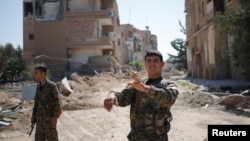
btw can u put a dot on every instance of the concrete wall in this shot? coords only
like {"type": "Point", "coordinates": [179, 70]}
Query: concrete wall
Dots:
{"type": "Point", "coordinates": [82, 5]}
{"type": "Point", "coordinates": [81, 55]}
{"type": "Point", "coordinates": [47, 42]}
{"type": "Point", "coordinates": [78, 29]}
{"type": "Point", "coordinates": [205, 45]}
{"type": "Point", "coordinates": [28, 44]}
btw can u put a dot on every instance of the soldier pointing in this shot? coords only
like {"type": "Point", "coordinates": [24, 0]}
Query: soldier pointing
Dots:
{"type": "Point", "coordinates": [149, 101]}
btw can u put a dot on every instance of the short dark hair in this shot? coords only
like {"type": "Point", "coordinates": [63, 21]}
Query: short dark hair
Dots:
{"type": "Point", "coordinates": [153, 52]}
{"type": "Point", "coordinates": [41, 68]}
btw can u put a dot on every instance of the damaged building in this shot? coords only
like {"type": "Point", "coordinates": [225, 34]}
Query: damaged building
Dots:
{"type": "Point", "coordinates": [76, 36]}
{"type": "Point", "coordinates": [205, 42]}
{"type": "Point", "coordinates": [133, 42]}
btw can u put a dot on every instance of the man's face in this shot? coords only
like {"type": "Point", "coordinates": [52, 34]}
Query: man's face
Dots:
{"type": "Point", "coordinates": [39, 75]}
{"type": "Point", "coordinates": [153, 66]}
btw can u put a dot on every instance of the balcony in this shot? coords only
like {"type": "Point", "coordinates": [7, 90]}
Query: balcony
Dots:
{"type": "Point", "coordinates": [107, 3]}
{"type": "Point", "coordinates": [105, 16]}
{"type": "Point", "coordinates": [102, 42]}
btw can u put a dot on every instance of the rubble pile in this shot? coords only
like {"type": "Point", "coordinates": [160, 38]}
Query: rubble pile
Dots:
{"type": "Point", "coordinates": [235, 100]}
{"type": "Point", "coordinates": [15, 113]}
{"type": "Point", "coordinates": [84, 89]}
{"type": "Point", "coordinates": [199, 99]}
{"type": "Point", "coordinates": [84, 92]}
{"type": "Point", "coordinates": [231, 100]}
{"type": "Point", "coordinates": [12, 113]}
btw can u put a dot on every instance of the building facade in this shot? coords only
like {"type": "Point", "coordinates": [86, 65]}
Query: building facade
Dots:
{"type": "Point", "coordinates": [206, 44]}
{"type": "Point", "coordinates": [134, 42]}
{"type": "Point", "coordinates": [79, 36]}
{"type": "Point", "coordinates": [70, 35]}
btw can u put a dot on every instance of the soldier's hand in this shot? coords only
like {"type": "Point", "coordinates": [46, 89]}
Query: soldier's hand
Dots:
{"type": "Point", "coordinates": [134, 75]}
{"type": "Point", "coordinates": [110, 101]}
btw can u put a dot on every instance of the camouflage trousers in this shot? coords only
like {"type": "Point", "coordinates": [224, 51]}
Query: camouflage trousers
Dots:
{"type": "Point", "coordinates": [45, 131]}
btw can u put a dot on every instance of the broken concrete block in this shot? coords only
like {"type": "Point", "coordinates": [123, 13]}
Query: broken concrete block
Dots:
{"type": "Point", "coordinates": [2, 123]}
{"type": "Point", "coordinates": [232, 100]}
{"type": "Point", "coordinates": [65, 87]}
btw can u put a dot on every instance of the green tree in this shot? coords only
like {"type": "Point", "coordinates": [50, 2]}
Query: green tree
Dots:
{"type": "Point", "coordinates": [3, 58]}
{"type": "Point", "coordinates": [236, 23]}
{"type": "Point", "coordinates": [11, 62]}
{"type": "Point", "coordinates": [137, 64]}
{"type": "Point", "coordinates": [179, 60]}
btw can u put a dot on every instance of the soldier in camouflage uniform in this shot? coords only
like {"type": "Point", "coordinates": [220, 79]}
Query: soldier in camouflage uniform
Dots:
{"type": "Point", "coordinates": [149, 101]}
{"type": "Point", "coordinates": [46, 108]}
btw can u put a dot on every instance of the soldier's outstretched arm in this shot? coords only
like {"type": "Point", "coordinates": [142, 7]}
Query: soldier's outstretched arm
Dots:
{"type": "Point", "coordinates": [110, 101]}
{"type": "Point", "coordinates": [163, 94]}
{"type": "Point", "coordinates": [122, 99]}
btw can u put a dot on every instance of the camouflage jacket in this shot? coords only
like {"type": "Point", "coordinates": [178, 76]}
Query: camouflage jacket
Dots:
{"type": "Point", "coordinates": [47, 104]}
{"type": "Point", "coordinates": [149, 112]}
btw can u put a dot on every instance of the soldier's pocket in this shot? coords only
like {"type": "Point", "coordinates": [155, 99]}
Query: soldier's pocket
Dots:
{"type": "Point", "coordinates": [162, 125]}
{"type": "Point", "coordinates": [149, 119]}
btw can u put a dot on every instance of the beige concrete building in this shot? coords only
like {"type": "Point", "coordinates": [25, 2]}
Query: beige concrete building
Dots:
{"type": "Point", "coordinates": [81, 36]}
{"type": "Point", "coordinates": [70, 35]}
{"type": "Point", "coordinates": [134, 42]}
{"type": "Point", "coordinates": [205, 43]}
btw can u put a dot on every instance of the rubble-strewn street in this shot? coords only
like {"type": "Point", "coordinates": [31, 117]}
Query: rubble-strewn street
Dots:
{"type": "Point", "coordinates": [84, 117]}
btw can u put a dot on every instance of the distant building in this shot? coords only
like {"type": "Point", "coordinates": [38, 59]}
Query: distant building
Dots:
{"type": "Point", "coordinates": [79, 36]}
{"type": "Point", "coordinates": [205, 43]}
{"type": "Point", "coordinates": [135, 42]}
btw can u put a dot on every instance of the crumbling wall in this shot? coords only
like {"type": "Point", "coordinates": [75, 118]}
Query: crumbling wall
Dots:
{"type": "Point", "coordinates": [51, 10]}
{"type": "Point", "coordinates": [83, 5]}
{"type": "Point", "coordinates": [48, 9]}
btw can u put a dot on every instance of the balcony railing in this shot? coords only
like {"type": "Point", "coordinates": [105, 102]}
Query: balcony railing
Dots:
{"type": "Point", "coordinates": [104, 42]}
{"type": "Point", "coordinates": [90, 14]}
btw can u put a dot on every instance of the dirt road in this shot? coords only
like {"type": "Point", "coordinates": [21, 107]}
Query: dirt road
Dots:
{"type": "Point", "coordinates": [96, 124]}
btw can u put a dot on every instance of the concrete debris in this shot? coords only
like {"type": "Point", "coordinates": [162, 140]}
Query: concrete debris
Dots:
{"type": "Point", "coordinates": [3, 98]}
{"type": "Point", "coordinates": [8, 110]}
{"type": "Point", "coordinates": [83, 93]}
{"type": "Point", "coordinates": [75, 77]}
{"type": "Point", "coordinates": [245, 93]}
{"type": "Point", "coordinates": [96, 72]}
{"type": "Point", "coordinates": [204, 107]}
{"type": "Point", "coordinates": [65, 87]}
{"type": "Point", "coordinates": [2, 123]}
{"type": "Point", "coordinates": [232, 101]}
{"type": "Point", "coordinates": [246, 102]}
{"type": "Point", "coordinates": [201, 99]}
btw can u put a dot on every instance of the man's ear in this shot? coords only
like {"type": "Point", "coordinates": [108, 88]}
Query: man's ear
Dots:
{"type": "Point", "coordinates": [163, 64]}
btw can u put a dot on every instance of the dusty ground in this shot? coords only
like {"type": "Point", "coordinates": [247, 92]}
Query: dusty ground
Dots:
{"type": "Point", "coordinates": [84, 117]}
